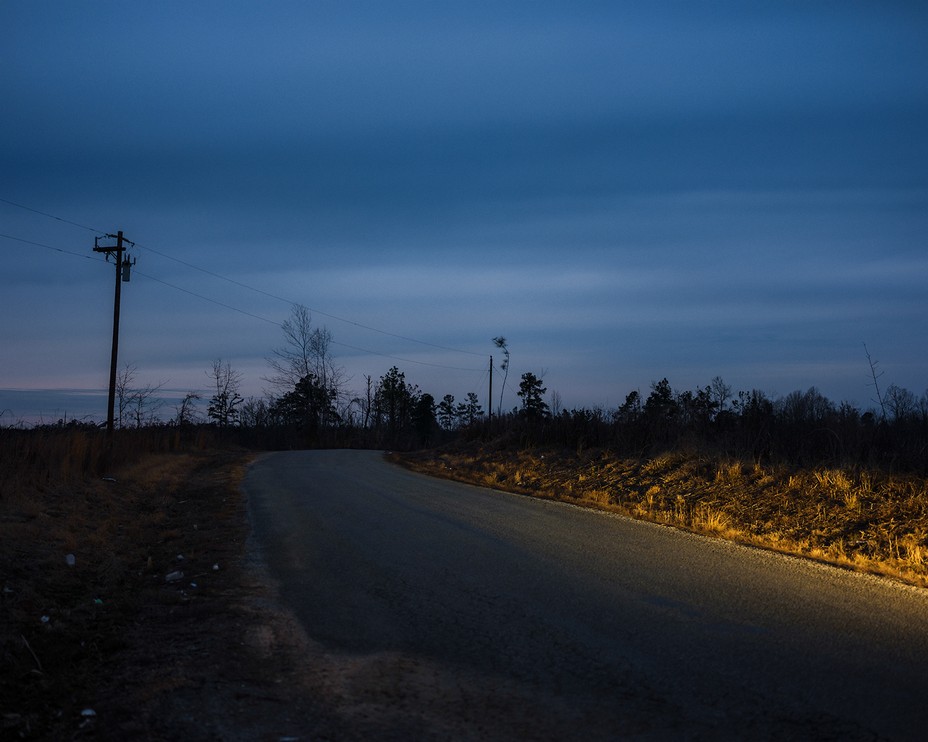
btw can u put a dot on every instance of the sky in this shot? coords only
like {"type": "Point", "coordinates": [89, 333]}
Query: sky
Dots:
{"type": "Point", "coordinates": [626, 191]}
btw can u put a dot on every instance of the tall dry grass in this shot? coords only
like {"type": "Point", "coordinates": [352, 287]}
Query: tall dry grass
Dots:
{"type": "Point", "coordinates": [35, 457]}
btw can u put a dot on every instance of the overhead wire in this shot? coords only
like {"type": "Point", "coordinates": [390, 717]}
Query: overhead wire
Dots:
{"type": "Point", "coordinates": [234, 308]}
{"type": "Point", "coordinates": [249, 288]}
{"type": "Point", "coordinates": [50, 216]}
{"type": "Point", "coordinates": [231, 307]}
{"type": "Point", "coordinates": [51, 247]}
{"type": "Point", "coordinates": [314, 311]}
{"type": "Point", "coordinates": [277, 324]}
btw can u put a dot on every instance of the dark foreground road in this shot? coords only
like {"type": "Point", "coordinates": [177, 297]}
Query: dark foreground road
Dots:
{"type": "Point", "coordinates": [457, 612]}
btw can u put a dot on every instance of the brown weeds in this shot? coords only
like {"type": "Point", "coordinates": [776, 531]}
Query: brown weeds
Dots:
{"type": "Point", "coordinates": [869, 521]}
{"type": "Point", "coordinates": [79, 551]}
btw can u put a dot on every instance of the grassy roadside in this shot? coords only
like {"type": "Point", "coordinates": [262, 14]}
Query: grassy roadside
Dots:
{"type": "Point", "coordinates": [92, 569]}
{"type": "Point", "coordinates": [867, 521]}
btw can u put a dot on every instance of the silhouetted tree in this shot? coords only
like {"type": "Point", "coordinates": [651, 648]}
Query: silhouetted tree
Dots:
{"type": "Point", "coordinates": [630, 410]}
{"type": "Point", "coordinates": [468, 411]}
{"type": "Point", "coordinates": [500, 342]}
{"type": "Point", "coordinates": [124, 381]}
{"type": "Point", "coordinates": [661, 412]}
{"type": "Point", "coordinates": [756, 422]}
{"type": "Point", "coordinates": [306, 352]}
{"type": "Point", "coordinates": [532, 393]}
{"type": "Point", "coordinates": [423, 418]}
{"type": "Point", "coordinates": [255, 412]}
{"type": "Point", "coordinates": [138, 405]}
{"type": "Point", "coordinates": [875, 375]}
{"type": "Point", "coordinates": [309, 406]}
{"type": "Point", "coordinates": [187, 410]}
{"type": "Point", "coordinates": [447, 412]}
{"type": "Point", "coordinates": [394, 401]}
{"type": "Point", "coordinates": [660, 402]}
{"type": "Point", "coordinates": [223, 406]}
{"type": "Point", "coordinates": [697, 409]}
{"type": "Point", "coordinates": [804, 408]}
{"type": "Point", "coordinates": [721, 393]}
{"type": "Point", "coordinates": [900, 402]}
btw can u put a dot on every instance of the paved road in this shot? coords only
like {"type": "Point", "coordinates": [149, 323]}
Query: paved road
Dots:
{"type": "Point", "coordinates": [507, 617]}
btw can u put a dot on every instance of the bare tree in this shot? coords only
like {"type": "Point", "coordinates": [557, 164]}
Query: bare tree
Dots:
{"type": "Point", "coordinates": [255, 413]}
{"type": "Point", "coordinates": [367, 402]}
{"type": "Point", "coordinates": [306, 352]}
{"type": "Point", "coordinates": [124, 381]}
{"type": "Point", "coordinates": [876, 376]}
{"type": "Point", "coordinates": [923, 407]}
{"type": "Point", "coordinates": [902, 403]}
{"type": "Point", "coordinates": [138, 405]}
{"type": "Point", "coordinates": [294, 359]}
{"type": "Point", "coordinates": [146, 403]}
{"type": "Point", "coordinates": [721, 393]}
{"type": "Point", "coordinates": [500, 343]}
{"type": "Point", "coordinates": [186, 411]}
{"type": "Point", "coordinates": [223, 406]}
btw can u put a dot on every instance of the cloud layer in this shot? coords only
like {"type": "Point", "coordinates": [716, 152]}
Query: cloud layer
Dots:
{"type": "Point", "coordinates": [626, 192]}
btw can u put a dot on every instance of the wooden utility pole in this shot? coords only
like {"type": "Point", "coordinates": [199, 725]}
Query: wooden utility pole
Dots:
{"type": "Point", "coordinates": [490, 405]}
{"type": "Point", "coordinates": [122, 274]}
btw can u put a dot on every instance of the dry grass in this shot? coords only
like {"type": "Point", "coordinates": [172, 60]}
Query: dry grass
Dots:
{"type": "Point", "coordinates": [81, 557]}
{"type": "Point", "coordinates": [869, 521]}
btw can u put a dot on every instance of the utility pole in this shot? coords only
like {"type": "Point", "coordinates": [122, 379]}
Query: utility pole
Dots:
{"type": "Point", "coordinates": [490, 405]}
{"type": "Point", "coordinates": [123, 266]}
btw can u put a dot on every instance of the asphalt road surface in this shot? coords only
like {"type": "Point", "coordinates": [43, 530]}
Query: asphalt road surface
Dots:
{"type": "Point", "coordinates": [469, 613]}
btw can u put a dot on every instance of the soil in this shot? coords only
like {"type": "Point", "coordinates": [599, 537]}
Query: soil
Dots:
{"type": "Point", "coordinates": [138, 609]}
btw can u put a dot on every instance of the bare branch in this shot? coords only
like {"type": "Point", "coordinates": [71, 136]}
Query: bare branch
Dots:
{"type": "Point", "coordinates": [876, 376]}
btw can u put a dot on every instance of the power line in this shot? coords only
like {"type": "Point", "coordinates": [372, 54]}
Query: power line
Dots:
{"type": "Point", "coordinates": [236, 309]}
{"type": "Point", "coordinates": [50, 216]}
{"type": "Point", "coordinates": [233, 308]}
{"type": "Point", "coordinates": [277, 324]}
{"type": "Point", "coordinates": [256, 290]}
{"type": "Point", "coordinates": [315, 311]}
{"type": "Point", "coordinates": [50, 247]}
{"type": "Point", "coordinates": [406, 360]}
{"type": "Point", "coordinates": [206, 298]}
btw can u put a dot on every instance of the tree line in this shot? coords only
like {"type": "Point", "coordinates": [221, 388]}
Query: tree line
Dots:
{"type": "Point", "coordinates": [308, 405]}
{"type": "Point", "coordinates": [801, 429]}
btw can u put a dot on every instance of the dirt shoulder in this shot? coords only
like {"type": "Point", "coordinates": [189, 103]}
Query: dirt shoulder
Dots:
{"type": "Point", "coordinates": [133, 609]}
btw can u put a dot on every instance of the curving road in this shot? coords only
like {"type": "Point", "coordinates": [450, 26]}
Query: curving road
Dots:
{"type": "Point", "coordinates": [472, 613]}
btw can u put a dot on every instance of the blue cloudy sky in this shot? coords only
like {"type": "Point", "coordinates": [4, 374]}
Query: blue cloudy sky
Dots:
{"type": "Point", "coordinates": [625, 190]}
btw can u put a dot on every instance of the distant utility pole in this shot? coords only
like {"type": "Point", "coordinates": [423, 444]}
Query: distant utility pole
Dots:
{"type": "Point", "coordinates": [490, 405]}
{"type": "Point", "coordinates": [123, 267]}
